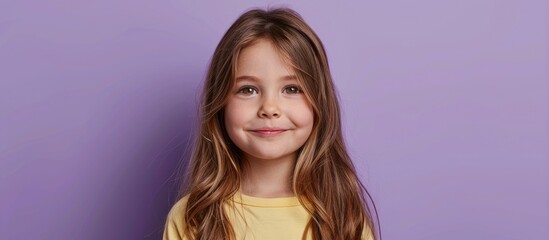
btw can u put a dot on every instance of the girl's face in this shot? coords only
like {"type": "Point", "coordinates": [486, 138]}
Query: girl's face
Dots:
{"type": "Point", "coordinates": [267, 115]}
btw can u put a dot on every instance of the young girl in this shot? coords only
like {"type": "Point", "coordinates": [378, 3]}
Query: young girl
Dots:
{"type": "Point", "coordinates": [269, 161]}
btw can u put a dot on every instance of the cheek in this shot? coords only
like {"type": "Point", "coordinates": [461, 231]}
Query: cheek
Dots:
{"type": "Point", "coordinates": [304, 115]}
{"type": "Point", "coordinates": [234, 115]}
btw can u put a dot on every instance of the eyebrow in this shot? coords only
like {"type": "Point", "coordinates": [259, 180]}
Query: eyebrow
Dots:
{"type": "Point", "coordinates": [255, 79]}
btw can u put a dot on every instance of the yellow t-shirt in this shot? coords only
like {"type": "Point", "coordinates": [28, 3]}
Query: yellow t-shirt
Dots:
{"type": "Point", "coordinates": [253, 218]}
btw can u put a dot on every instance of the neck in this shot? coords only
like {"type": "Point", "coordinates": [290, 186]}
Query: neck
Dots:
{"type": "Point", "coordinates": [268, 178]}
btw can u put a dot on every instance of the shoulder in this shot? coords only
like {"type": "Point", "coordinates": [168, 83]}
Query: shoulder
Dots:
{"type": "Point", "coordinates": [367, 233]}
{"type": "Point", "coordinates": [178, 209]}
{"type": "Point", "coordinates": [175, 221]}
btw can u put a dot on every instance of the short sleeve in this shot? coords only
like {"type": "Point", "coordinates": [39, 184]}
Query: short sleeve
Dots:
{"type": "Point", "coordinates": [175, 223]}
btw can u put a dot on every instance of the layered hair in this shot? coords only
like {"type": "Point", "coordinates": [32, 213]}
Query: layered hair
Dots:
{"type": "Point", "coordinates": [324, 178]}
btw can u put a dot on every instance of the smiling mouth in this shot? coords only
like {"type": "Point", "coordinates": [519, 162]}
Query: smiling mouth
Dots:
{"type": "Point", "coordinates": [268, 132]}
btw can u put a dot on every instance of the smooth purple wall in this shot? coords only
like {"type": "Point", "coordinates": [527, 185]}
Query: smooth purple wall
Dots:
{"type": "Point", "coordinates": [445, 108]}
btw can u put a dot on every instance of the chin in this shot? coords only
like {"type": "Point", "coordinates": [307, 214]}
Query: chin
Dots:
{"type": "Point", "coordinates": [269, 155]}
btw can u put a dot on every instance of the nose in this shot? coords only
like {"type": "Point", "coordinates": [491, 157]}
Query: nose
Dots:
{"type": "Point", "coordinates": [269, 108]}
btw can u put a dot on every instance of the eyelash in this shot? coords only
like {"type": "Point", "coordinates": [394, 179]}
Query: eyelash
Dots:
{"type": "Point", "coordinates": [245, 89]}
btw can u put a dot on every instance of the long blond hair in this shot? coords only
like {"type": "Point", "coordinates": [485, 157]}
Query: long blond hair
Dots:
{"type": "Point", "coordinates": [324, 178]}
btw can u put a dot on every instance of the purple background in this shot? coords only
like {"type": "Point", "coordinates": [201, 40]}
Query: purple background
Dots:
{"type": "Point", "coordinates": [445, 107]}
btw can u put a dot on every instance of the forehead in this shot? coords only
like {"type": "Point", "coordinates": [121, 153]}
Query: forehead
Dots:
{"type": "Point", "coordinates": [262, 58]}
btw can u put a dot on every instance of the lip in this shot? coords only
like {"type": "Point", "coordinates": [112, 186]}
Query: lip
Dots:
{"type": "Point", "coordinates": [267, 132]}
{"type": "Point", "coordinates": [266, 129]}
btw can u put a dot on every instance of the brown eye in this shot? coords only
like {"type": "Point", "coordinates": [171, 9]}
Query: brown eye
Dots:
{"type": "Point", "coordinates": [292, 90]}
{"type": "Point", "coordinates": [247, 90]}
